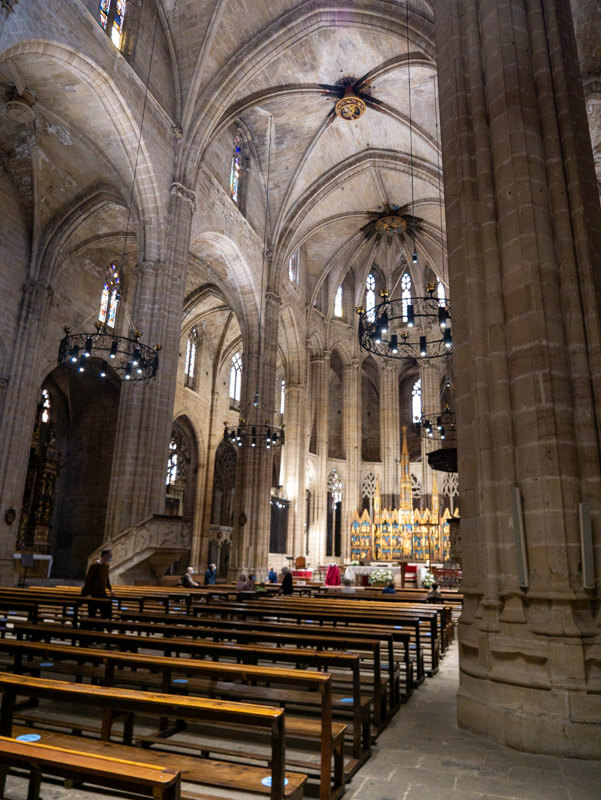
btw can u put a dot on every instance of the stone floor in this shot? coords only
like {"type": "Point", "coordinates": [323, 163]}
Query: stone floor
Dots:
{"type": "Point", "coordinates": [422, 755]}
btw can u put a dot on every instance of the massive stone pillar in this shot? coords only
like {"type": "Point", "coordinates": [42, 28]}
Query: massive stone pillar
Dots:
{"type": "Point", "coordinates": [351, 499]}
{"type": "Point", "coordinates": [390, 435]}
{"type": "Point", "coordinates": [293, 465]}
{"type": "Point", "coordinates": [320, 372]}
{"type": "Point", "coordinates": [525, 275]}
{"type": "Point", "coordinates": [18, 414]}
{"type": "Point", "coordinates": [137, 486]}
{"type": "Point", "coordinates": [252, 512]}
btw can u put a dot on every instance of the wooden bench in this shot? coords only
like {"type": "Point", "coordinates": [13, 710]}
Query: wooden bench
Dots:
{"type": "Point", "coordinates": [357, 707]}
{"type": "Point", "coordinates": [39, 759]}
{"type": "Point", "coordinates": [297, 637]}
{"type": "Point", "coordinates": [115, 702]}
{"type": "Point", "coordinates": [233, 681]}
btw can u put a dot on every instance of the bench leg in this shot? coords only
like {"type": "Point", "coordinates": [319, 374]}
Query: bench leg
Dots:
{"type": "Point", "coordinates": [35, 780]}
{"type": "Point", "coordinates": [4, 770]}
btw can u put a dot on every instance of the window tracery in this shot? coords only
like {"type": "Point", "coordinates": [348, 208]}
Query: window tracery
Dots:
{"type": "Point", "coordinates": [405, 293]}
{"type": "Point", "coordinates": [191, 353]}
{"type": "Point", "coordinates": [111, 17]}
{"type": "Point", "coordinates": [338, 303]}
{"type": "Point", "coordinates": [416, 401]}
{"type": "Point", "coordinates": [110, 296]}
{"type": "Point", "coordinates": [370, 296]}
{"type": "Point", "coordinates": [235, 379]}
{"type": "Point", "coordinates": [236, 170]}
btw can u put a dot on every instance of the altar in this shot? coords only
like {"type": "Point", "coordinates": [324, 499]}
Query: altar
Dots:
{"type": "Point", "coordinates": [352, 572]}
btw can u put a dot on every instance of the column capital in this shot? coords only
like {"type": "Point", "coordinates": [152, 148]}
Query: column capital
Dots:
{"type": "Point", "coordinates": [189, 195]}
{"type": "Point", "coordinates": [272, 297]}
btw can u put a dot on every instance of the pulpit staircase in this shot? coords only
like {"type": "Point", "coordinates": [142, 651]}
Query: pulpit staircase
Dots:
{"type": "Point", "coordinates": [145, 550]}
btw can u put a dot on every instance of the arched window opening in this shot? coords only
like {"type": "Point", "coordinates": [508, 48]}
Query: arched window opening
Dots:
{"type": "Point", "coordinates": [370, 297]}
{"type": "Point", "coordinates": [110, 296]}
{"type": "Point", "coordinates": [191, 351]}
{"type": "Point", "coordinates": [334, 515]}
{"type": "Point", "coordinates": [236, 170]}
{"type": "Point", "coordinates": [235, 380]}
{"type": "Point", "coordinates": [282, 396]}
{"type": "Point", "coordinates": [112, 15]}
{"type": "Point", "coordinates": [416, 400]}
{"type": "Point", "coordinates": [338, 303]}
{"type": "Point", "coordinates": [442, 298]}
{"type": "Point", "coordinates": [293, 267]}
{"type": "Point", "coordinates": [178, 464]}
{"type": "Point", "coordinates": [405, 294]}
{"type": "Point", "coordinates": [46, 406]}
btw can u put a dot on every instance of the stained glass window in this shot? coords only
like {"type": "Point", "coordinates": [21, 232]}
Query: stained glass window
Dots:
{"type": "Point", "coordinates": [370, 297]}
{"type": "Point", "coordinates": [338, 303]}
{"type": "Point", "coordinates": [293, 264]}
{"type": "Point", "coordinates": [236, 170]}
{"type": "Point", "coordinates": [235, 377]}
{"type": "Point", "coordinates": [416, 400]}
{"type": "Point", "coordinates": [112, 14]}
{"type": "Point", "coordinates": [282, 396]}
{"type": "Point", "coordinates": [405, 293]}
{"type": "Point", "coordinates": [46, 406]}
{"type": "Point", "coordinates": [110, 296]}
{"type": "Point", "coordinates": [191, 348]}
{"type": "Point", "coordinates": [442, 298]}
{"type": "Point", "coordinates": [172, 469]}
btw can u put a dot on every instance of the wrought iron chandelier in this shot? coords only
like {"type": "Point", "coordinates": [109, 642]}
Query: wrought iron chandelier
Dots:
{"type": "Point", "coordinates": [101, 353]}
{"type": "Point", "coordinates": [439, 427]}
{"type": "Point", "coordinates": [250, 435]}
{"type": "Point", "coordinates": [416, 330]}
{"type": "Point", "coordinates": [105, 353]}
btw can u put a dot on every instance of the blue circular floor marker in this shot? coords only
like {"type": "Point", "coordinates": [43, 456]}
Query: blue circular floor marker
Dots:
{"type": "Point", "coordinates": [267, 781]}
{"type": "Point", "coordinates": [46, 663]}
{"type": "Point", "coordinates": [29, 737]}
{"type": "Point", "coordinates": [180, 680]}
{"type": "Point", "coordinates": [346, 700]}
{"type": "Point", "coordinates": [124, 608]}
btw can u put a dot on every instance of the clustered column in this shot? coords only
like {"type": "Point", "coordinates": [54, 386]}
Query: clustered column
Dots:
{"type": "Point", "coordinates": [524, 245]}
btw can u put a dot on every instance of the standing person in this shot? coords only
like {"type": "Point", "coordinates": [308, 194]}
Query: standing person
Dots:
{"type": "Point", "coordinates": [272, 576]}
{"type": "Point", "coordinates": [333, 576]}
{"type": "Point", "coordinates": [188, 579]}
{"type": "Point", "coordinates": [211, 575]}
{"type": "Point", "coordinates": [97, 584]}
{"type": "Point", "coordinates": [287, 587]}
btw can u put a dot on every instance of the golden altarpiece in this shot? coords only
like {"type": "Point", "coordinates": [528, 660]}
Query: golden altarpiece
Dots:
{"type": "Point", "coordinates": [404, 533]}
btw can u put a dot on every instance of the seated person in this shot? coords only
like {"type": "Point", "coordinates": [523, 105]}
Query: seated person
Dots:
{"type": "Point", "coordinates": [188, 581]}
{"type": "Point", "coordinates": [287, 586]}
{"type": "Point", "coordinates": [272, 576]}
{"type": "Point", "coordinates": [347, 586]}
{"type": "Point", "coordinates": [434, 596]}
{"type": "Point", "coordinates": [242, 584]}
{"type": "Point", "coordinates": [211, 575]}
{"type": "Point", "coordinates": [389, 588]}
{"type": "Point", "coordinates": [251, 582]}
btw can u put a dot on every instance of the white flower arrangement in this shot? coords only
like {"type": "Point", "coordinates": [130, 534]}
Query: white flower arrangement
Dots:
{"type": "Point", "coordinates": [354, 563]}
{"type": "Point", "coordinates": [379, 576]}
{"type": "Point", "coordinates": [428, 580]}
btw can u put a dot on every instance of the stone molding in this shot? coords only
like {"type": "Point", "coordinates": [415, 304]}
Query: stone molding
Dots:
{"type": "Point", "coordinates": [189, 195]}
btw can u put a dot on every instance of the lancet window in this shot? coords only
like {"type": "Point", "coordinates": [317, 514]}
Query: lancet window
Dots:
{"type": "Point", "coordinates": [112, 15]}
{"type": "Point", "coordinates": [405, 293]}
{"type": "Point", "coordinates": [110, 296]}
{"type": "Point", "coordinates": [370, 296]}
{"type": "Point", "coordinates": [235, 379]}
{"type": "Point", "coordinates": [191, 352]}
{"type": "Point", "coordinates": [338, 303]}
{"type": "Point", "coordinates": [416, 400]}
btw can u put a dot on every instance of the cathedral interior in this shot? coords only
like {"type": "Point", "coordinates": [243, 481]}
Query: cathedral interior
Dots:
{"type": "Point", "coordinates": [203, 204]}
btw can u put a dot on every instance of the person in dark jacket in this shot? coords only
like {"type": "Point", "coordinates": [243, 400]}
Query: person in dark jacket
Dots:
{"type": "Point", "coordinates": [287, 587]}
{"type": "Point", "coordinates": [97, 584]}
{"type": "Point", "coordinates": [188, 579]}
{"type": "Point", "coordinates": [211, 575]}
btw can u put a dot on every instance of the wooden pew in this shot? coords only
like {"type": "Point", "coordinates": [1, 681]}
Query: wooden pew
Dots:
{"type": "Point", "coordinates": [324, 615]}
{"type": "Point", "coordinates": [157, 782]}
{"type": "Point", "coordinates": [358, 710]}
{"type": "Point", "coordinates": [298, 637]}
{"type": "Point", "coordinates": [131, 702]}
{"type": "Point", "coordinates": [233, 681]}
